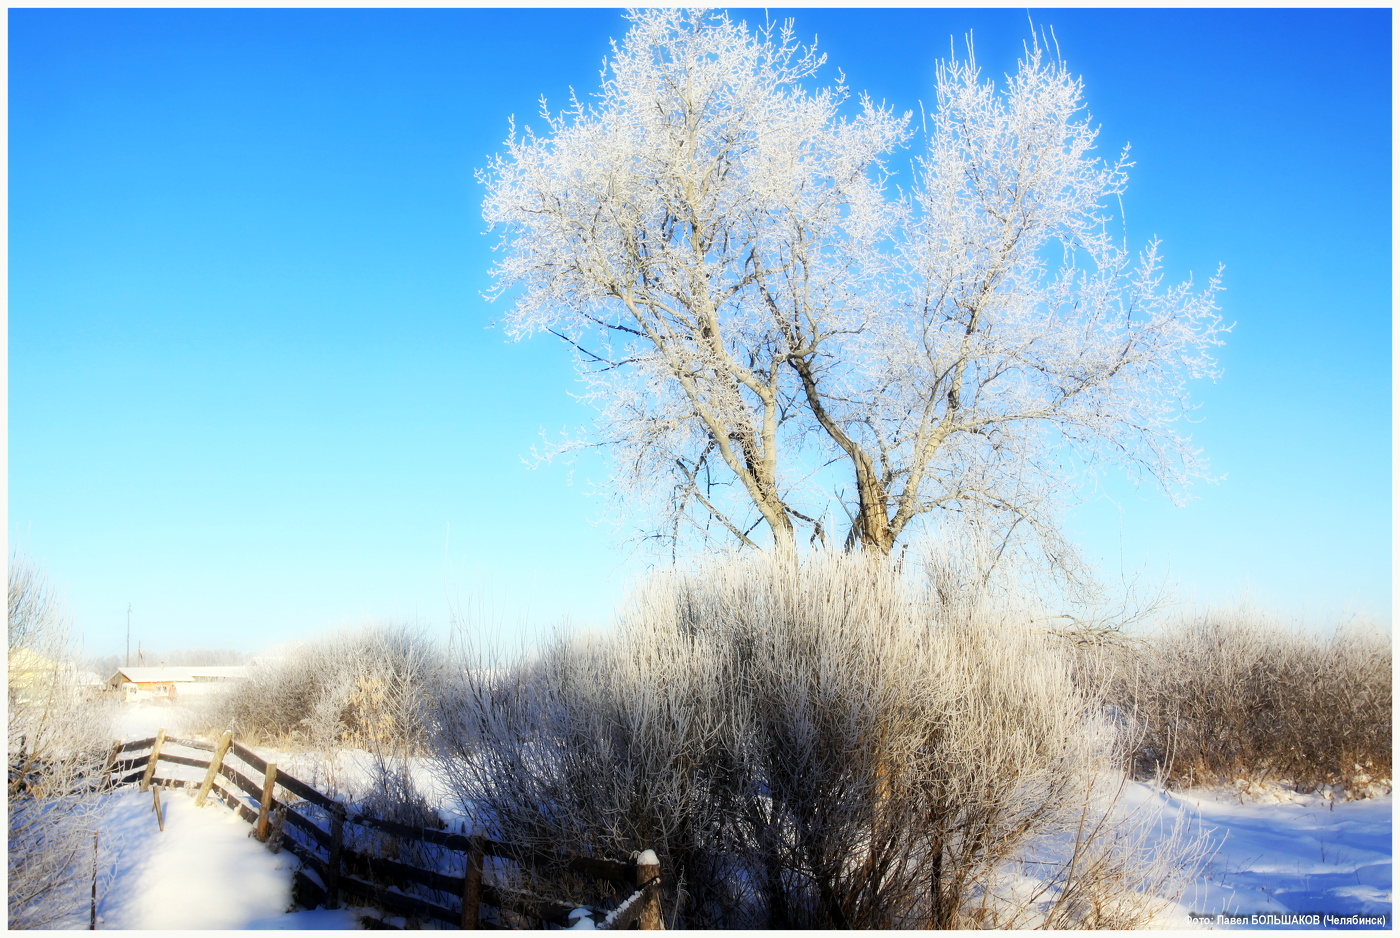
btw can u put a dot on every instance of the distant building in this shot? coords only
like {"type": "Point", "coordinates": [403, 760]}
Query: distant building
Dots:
{"type": "Point", "coordinates": [170, 683]}
{"type": "Point", "coordinates": [31, 674]}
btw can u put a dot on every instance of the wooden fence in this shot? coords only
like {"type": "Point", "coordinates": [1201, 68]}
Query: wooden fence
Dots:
{"type": "Point", "coordinates": [289, 814]}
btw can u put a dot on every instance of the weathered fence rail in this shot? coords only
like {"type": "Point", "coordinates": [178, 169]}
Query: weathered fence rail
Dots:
{"type": "Point", "coordinates": [311, 826]}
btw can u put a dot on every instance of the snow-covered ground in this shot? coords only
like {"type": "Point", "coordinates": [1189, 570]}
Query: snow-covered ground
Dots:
{"type": "Point", "coordinates": [202, 871]}
{"type": "Point", "coordinates": [1278, 853]}
{"type": "Point", "coordinates": [1290, 854]}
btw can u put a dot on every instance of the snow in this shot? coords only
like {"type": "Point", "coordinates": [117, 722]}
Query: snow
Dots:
{"type": "Point", "coordinates": [203, 871]}
{"type": "Point", "coordinates": [141, 720]}
{"type": "Point", "coordinates": [319, 920]}
{"type": "Point", "coordinates": [581, 920]}
{"type": "Point", "coordinates": [1275, 851]}
{"type": "Point", "coordinates": [1285, 853]}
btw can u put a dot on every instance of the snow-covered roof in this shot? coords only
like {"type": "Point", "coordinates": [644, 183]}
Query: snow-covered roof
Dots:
{"type": "Point", "coordinates": [153, 675]}
{"type": "Point", "coordinates": [220, 672]}
{"type": "Point", "coordinates": [185, 675]}
{"type": "Point", "coordinates": [86, 678]}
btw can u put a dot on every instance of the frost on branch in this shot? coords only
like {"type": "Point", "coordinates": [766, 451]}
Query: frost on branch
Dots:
{"type": "Point", "coordinates": [774, 340]}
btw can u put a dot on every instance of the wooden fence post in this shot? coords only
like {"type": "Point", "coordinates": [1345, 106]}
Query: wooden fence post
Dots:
{"type": "Point", "coordinates": [110, 764]}
{"type": "Point", "coordinates": [333, 864]}
{"type": "Point", "coordinates": [151, 766]}
{"type": "Point", "coordinates": [92, 920]}
{"type": "Point", "coordinates": [215, 763]}
{"type": "Point", "coordinates": [471, 890]}
{"type": "Point", "coordinates": [265, 805]}
{"type": "Point", "coordinates": [160, 817]}
{"type": "Point", "coordinates": [648, 868]}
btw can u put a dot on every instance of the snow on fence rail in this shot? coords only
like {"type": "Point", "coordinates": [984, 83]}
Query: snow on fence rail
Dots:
{"type": "Point", "coordinates": [311, 825]}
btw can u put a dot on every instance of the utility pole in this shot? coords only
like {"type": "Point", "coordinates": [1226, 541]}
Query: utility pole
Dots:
{"type": "Point", "coordinates": [128, 635]}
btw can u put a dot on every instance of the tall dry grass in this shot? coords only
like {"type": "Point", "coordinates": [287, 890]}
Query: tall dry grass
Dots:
{"type": "Point", "coordinates": [834, 744]}
{"type": "Point", "coordinates": [1235, 696]}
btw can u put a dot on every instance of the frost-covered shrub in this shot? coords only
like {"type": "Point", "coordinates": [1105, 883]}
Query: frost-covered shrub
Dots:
{"type": "Point", "coordinates": [814, 746]}
{"type": "Point", "coordinates": [59, 740]}
{"type": "Point", "coordinates": [1233, 696]}
{"type": "Point", "coordinates": [369, 689]}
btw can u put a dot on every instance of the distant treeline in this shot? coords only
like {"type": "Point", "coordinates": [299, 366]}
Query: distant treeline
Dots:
{"type": "Point", "coordinates": [106, 665]}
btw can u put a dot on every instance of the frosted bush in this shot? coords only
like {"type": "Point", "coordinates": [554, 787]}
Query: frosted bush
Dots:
{"type": "Point", "coordinates": [820, 745]}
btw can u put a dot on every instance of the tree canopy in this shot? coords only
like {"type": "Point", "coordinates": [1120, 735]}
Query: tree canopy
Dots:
{"type": "Point", "coordinates": [777, 340]}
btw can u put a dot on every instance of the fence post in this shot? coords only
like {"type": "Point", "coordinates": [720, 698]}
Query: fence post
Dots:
{"type": "Point", "coordinates": [160, 816]}
{"type": "Point", "coordinates": [110, 764]}
{"type": "Point", "coordinates": [333, 864]}
{"type": "Point", "coordinates": [265, 805]}
{"type": "Point", "coordinates": [648, 868]}
{"type": "Point", "coordinates": [151, 766]}
{"type": "Point", "coordinates": [471, 890]}
{"type": "Point", "coordinates": [215, 763]}
{"type": "Point", "coordinates": [92, 920]}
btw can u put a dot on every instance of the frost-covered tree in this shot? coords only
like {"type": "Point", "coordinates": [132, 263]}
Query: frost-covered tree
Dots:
{"type": "Point", "coordinates": [59, 740]}
{"type": "Point", "coordinates": [768, 332]}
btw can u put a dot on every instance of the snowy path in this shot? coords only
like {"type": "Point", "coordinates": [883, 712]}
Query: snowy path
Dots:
{"type": "Point", "coordinates": [202, 871]}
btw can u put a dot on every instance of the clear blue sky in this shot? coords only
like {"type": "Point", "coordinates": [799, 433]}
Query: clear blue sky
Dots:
{"type": "Point", "coordinates": [251, 383]}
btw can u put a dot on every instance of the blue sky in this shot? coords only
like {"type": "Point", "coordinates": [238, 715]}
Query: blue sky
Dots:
{"type": "Point", "coordinates": [253, 393]}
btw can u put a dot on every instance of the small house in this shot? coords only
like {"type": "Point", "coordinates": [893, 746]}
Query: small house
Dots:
{"type": "Point", "coordinates": [170, 683]}
{"type": "Point", "coordinates": [149, 683]}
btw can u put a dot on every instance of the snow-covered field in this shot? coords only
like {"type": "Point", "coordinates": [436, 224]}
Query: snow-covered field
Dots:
{"type": "Point", "coordinates": [1277, 853]}
{"type": "Point", "coordinates": [1284, 854]}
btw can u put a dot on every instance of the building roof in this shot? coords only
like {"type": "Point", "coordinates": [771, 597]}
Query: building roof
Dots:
{"type": "Point", "coordinates": [153, 675]}
{"type": "Point", "coordinates": [221, 672]}
{"type": "Point", "coordinates": [87, 678]}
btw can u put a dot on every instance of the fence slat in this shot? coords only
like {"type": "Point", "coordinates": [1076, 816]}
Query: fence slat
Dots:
{"type": "Point", "coordinates": [399, 872]}
{"type": "Point", "coordinates": [308, 856]}
{"type": "Point", "coordinates": [537, 906]}
{"type": "Point", "coordinates": [233, 801]}
{"type": "Point", "coordinates": [173, 782]}
{"type": "Point", "coordinates": [421, 834]}
{"type": "Point", "coordinates": [308, 892]}
{"type": "Point", "coordinates": [252, 759]}
{"type": "Point", "coordinates": [137, 744]}
{"type": "Point", "coordinates": [398, 901]}
{"type": "Point", "coordinates": [308, 826]}
{"type": "Point", "coordinates": [598, 867]}
{"type": "Point", "coordinates": [190, 743]}
{"type": "Point", "coordinates": [302, 790]}
{"type": "Point", "coordinates": [184, 760]}
{"type": "Point", "coordinates": [242, 781]}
